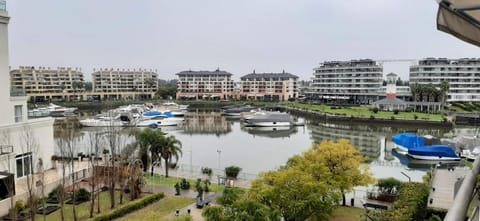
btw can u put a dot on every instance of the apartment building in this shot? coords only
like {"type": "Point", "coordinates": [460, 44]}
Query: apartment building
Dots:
{"type": "Point", "coordinates": [124, 83]}
{"type": "Point", "coordinates": [348, 82]}
{"type": "Point", "coordinates": [46, 84]}
{"type": "Point", "coordinates": [463, 76]}
{"type": "Point", "coordinates": [23, 142]}
{"type": "Point", "coordinates": [268, 86]}
{"type": "Point", "coordinates": [205, 85]}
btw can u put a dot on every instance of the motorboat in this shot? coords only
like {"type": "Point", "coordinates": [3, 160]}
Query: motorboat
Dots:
{"type": "Point", "coordinates": [423, 147]}
{"type": "Point", "coordinates": [471, 154]}
{"type": "Point", "coordinates": [158, 121]}
{"type": "Point", "coordinates": [175, 105]}
{"type": "Point", "coordinates": [235, 111]}
{"type": "Point", "coordinates": [51, 110]}
{"type": "Point", "coordinates": [269, 119]}
{"type": "Point", "coordinates": [124, 116]}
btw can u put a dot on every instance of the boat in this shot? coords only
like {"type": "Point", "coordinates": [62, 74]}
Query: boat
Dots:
{"type": "Point", "coordinates": [158, 121]}
{"type": "Point", "coordinates": [471, 155]}
{"type": "Point", "coordinates": [235, 111]}
{"type": "Point", "coordinates": [269, 119]}
{"type": "Point", "coordinates": [51, 110]}
{"type": "Point", "coordinates": [423, 148]}
{"type": "Point", "coordinates": [123, 116]}
{"type": "Point", "coordinates": [172, 104]}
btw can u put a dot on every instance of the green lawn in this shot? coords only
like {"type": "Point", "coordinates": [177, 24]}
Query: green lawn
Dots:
{"type": "Point", "coordinates": [158, 180]}
{"type": "Point", "coordinates": [348, 214]}
{"type": "Point", "coordinates": [83, 210]}
{"type": "Point", "coordinates": [365, 112]}
{"type": "Point", "coordinates": [158, 210]}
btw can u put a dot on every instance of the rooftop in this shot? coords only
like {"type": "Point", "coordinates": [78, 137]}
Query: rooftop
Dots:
{"type": "Point", "coordinates": [269, 75]}
{"type": "Point", "coordinates": [216, 72]}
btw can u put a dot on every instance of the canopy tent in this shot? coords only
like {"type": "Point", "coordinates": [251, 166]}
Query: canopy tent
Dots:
{"type": "Point", "coordinates": [460, 18]}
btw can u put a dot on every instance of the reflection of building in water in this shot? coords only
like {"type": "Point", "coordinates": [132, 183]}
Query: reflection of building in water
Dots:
{"type": "Point", "coordinates": [360, 136]}
{"type": "Point", "coordinates": [206, 123]}
{"type": "Point", "coordinates": [67, 123]}
{"type": "Point", "coordinates": [272, 132]}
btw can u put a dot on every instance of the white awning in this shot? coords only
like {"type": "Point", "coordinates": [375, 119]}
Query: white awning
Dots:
{"type": "Point", "coordinates": [460, 18]}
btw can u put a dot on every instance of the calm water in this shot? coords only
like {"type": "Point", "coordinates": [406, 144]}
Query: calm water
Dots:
{"type": "Point", "coordinates": [212, 140]}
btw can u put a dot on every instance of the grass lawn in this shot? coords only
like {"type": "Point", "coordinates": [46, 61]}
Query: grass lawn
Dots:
{"type": "Point", "coordinates": [83, 210]}
{"type": "Point", "coordinates": [365, 112]}
{"type": "Point", "coordinates": [158, 180]}
{"type": "Point", "coordinates": [348, 214]}
{"type": "Point", "coordinates": [158, 210]}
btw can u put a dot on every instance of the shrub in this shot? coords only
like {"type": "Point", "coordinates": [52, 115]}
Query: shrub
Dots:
{"type": "Point", "coordinates": [82, 195]}
{"type": "Point", "coordinates": [185, 185]}
{"type": "Point", "coordinates": [415, 117]}
{"type": "Point", "coordinates": [395, 111]}
{"type": "Point", "coordinates": [207, 171]}
{"type": "Point", "coordinates": [372, 117]}
{"type": "Point", "coordinates": [411, 203]}
{"type": "Point", "coordinates": [130, 207]}
{"type": "Point", "coordinates": [232, 171]}
{"type": "Point", "coordinates": [54, 195]}
{"type": "Point", "coordinates": [375, 110]}
{"type": "Point", "coordinates": [408, 109]}
{"type": "Point", "coordinates": [392, 118]}
{"type": "Point", "coordinates": [177, 189]}
{"type": "Point", "coordinates": [388, 185]}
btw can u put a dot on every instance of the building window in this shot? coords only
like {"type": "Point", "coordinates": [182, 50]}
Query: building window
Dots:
{"type": "Point", "coordinates": [24, 164]}
{"type": "Point", "coordinates": [18, 113]}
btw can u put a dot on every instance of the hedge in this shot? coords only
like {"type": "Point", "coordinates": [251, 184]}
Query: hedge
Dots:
{"type": "Point", "coordinates": [130, 207]}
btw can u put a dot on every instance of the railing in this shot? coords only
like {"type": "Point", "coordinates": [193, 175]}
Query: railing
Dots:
{"type": "Point", "coordinates": [15, 92]}
{"type": "Point", "coordinates": [3, 5]}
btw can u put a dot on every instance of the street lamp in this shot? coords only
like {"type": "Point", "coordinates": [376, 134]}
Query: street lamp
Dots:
{"type": "Point", "coordinates": [219, 154]}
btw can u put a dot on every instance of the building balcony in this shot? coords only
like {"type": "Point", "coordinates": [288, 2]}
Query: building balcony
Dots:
{"type": "Point", "coordinates": [17, 92]}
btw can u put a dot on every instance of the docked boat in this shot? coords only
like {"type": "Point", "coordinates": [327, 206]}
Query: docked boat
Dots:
{"type": "Point", "coordinates": [175, 105]}
{"type": "Point", "coordinates": [51, 110]}
{"type": "Point", "coordinates": [404, 141]}
{"type": "Point", "coordinates": [423, 148]}
{"type": "Point", "coordinates": [235, 111]}
{"type": "Point", "coordinates": [471, 155]}
{"type": "Point", "coordinates": [269, 119]}
{"type": "Point", "coordinates": [124, 116]}
{"type": "Point", "coordinates": [159, 121]}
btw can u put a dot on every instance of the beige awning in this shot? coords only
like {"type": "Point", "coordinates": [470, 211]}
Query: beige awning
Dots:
{"type": "Point", "coordinates": [460, 18]}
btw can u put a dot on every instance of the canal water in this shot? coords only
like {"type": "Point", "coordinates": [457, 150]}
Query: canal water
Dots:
{"type": "Point", "coordinates": [210, 139]}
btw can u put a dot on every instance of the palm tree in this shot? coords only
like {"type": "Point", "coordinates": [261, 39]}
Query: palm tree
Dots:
{"type": "Point", "coordinates": [149, 140]}
{"type": "Point", "coordinates": [170, 148]}
{"type": "Point", "coordinates": [444, 87]}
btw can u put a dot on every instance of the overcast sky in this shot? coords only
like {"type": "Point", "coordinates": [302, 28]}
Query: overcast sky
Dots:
{"type": "Point", "coordinates": [237, 36]}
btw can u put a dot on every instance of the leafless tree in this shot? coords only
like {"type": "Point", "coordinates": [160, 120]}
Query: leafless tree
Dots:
{"type": "Point", "coordinates": [29, 147]}
{"type": "Point", "coordinates": [61, 144]}
{"type": "Point", "coordinates": [41, 171]}
{"type": "Point", "coordinates": [95, 143]}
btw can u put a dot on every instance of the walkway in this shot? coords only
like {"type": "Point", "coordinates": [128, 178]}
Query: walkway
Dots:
{"type": "Point", "coordinates": [442, 191]}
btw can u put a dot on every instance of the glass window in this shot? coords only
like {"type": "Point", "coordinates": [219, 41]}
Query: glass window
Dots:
{"type": "Point", "coordinates": [18, 113]}
{"type": "Point", "coordinates": [24, 164]}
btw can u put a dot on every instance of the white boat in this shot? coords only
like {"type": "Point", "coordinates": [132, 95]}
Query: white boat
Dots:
{"type": "Point", "coordinates": [159, 121]}
{"type": "Point", "coordinates": [120, 117]}
{"type": "Point", "coordinates": [102, 123]}
{"type": "Point", "coordinates": [269, 119]}
{"type": "Point", "coordinates": [471, 154]}
{"type": "Point", "coordinates": [51, 110]}
{"type": "Point", "coordinates": [172, 104]}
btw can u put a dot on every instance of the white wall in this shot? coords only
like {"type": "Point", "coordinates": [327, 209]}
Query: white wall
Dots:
{"type": "Point", "coordinates": [5, 111]}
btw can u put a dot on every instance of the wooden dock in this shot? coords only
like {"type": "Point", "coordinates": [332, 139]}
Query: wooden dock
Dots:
{"type": "Point", "coordinates": [442, 189]}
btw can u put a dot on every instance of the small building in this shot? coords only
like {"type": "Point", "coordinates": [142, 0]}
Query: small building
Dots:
{"type": "Point", "coordinates": [391, 102]}
{"type": "Point", "coordinates": [268, 86]}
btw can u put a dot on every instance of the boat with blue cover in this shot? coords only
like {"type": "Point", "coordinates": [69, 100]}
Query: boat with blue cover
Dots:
{"type": "Point", "coordinates": [416, 147]}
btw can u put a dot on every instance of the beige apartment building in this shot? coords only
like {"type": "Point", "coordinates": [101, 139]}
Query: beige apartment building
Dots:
{"type": "Point", "coordinates": [268, 86]}
{"type": "Point", "coordinates": [47, 84]}
{"type": "Point", "coordinates": [205, 85]}
{"type": "Point", "coordinates": [124, 84]}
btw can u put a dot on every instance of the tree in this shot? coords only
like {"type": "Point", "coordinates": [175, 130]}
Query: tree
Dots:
{"type": "Point", "coordinates": [170, 148]}
{"type": "Point", "coordinates": [30, 147]}
{"type": "Point", "coordinates": [444, 88]}
{"type": "Point", "coordinates": [95, 142]}
{"type": "Point", "coordinates": [41, 170]}
{"type": "Point", "coordinates": [344, 163]}
{"type": "Point", "coordinates": [242, 210]}
{"type": "Point", "coordinates": [149, 140]}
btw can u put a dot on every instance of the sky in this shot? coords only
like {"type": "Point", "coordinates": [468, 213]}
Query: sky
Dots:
{"type": "Point", "coordinates": [236, 36]}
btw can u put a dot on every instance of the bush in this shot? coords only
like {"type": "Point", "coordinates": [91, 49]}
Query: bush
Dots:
{"type": "Point", "coordinates": [392, 118]}
{"type": "Point", "coordinates": [232, 171]}
{"type": "Point", "coordinates": [408, 109]}
{"type": "Point", "coordinates": [411, 203]}
{"type": "Point", "coordinates": [375, 110]}
{"type": "Point", "coordinates": [372, 117]}
{"type": "Point", "coordinates": [130, 207]}
{"type": "Point", "coordinates": [395, 111]}
{"type": "Point", "coordinates": [185, 185]}
{"type": "Point", "coordinates": [207, 171]}
{"type": "Point", "coordinates": [415, 117]}
{"type": "Point", "coordinates": [82, 195]}
{"type": "Point", "coordinates": [388, 185]}
{"type": "Point", "coordinates": [54, 195]}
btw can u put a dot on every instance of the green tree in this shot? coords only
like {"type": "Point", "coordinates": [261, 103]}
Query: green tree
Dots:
{"type": "Point", "coordinates": [444, 88]}
{"type": "Point", "coordinates": [149, 141]}
{"type": "Point", "coordinates": [170, 148]}
{"type": "Point", "coordinates": [230, 195]}
{"type": "Point", "coordinates": [344, 163]}
{"type": "Point", "coordinates": [242, 210]}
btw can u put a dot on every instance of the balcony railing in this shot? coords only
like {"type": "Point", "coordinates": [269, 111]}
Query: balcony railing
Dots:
{"type": "Point", "coordinates": [3, 5]}
{"type": "Point", "coordinates": [17, 92]}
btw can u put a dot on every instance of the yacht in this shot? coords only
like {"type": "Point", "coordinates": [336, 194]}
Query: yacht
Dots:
{"type": "Point", "coordinates": [158, 121]}
{"type": "Point", "coordinates": [423, 147]}
{"type": "Point", "coordinates": [175, 105]}
{"type": "Point", "coordinates": [51, 110]}
{"type": "Point", "coordinates": [269, 119]}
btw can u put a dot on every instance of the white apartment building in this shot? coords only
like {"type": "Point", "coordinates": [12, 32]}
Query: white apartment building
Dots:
{"type": "Point", "coordinates": [124, 83]}
{"type": "Point", "coordinates": [348, 82]}
{"type": "Point", "coordinates": [205, 85]}
{"type": "Point", "coordinates": [463, 76]}
{"type": "Point", "coordinates": [268, 86]}
{"type": "Point", "coordinates": [19, 153]}
{"type": "Point", "coordinates": [45, 83]}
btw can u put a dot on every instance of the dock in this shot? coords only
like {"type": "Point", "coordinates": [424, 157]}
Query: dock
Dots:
{"type": "Point", "coordinates": [443, 187]}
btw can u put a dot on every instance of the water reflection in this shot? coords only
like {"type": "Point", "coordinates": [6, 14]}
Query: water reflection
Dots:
{"type": "Point", "coordinates": [206, 123]}
{"type": "Point", "coordinates": [271, 132]}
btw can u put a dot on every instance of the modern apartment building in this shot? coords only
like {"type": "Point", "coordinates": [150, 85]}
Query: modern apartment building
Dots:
{"type": "Point", "coordinates": [23, 142]}
{"type": "Point", "coordinates": [124, 83]}
{"type": "Point", "coordinates": [352, 82]}
{"type": "Point", "coordinates": [268, 86]}
{"type": "Point", "coordinates": [205, 85]}
{"type": "Point", "coordinates": [45, 83]}
{"type": "Point", "coordinates": [463, 76]}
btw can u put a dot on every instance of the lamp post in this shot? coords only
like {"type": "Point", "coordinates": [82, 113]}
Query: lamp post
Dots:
{"type": "Point", "coordinates": [409, 179]}
{"type": "Point", "coordinates": [219, 155]}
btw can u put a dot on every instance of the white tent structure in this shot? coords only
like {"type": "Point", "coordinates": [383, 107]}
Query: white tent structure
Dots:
{"type": "Point", "coordinates": [460, 18]}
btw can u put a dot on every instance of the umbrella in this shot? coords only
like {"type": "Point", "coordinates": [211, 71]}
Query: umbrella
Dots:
{"type": "Point", "coordinates": [460, 18]}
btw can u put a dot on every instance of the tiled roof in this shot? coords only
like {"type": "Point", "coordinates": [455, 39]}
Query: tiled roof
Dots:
{"type": "Point", "coordinates": [216, 72]}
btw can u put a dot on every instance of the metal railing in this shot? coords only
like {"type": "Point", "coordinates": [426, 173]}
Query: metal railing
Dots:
{"type": "Point", "coordinates": [16, 92]}
{"type": "Point", "coordinates": [3, 5]}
